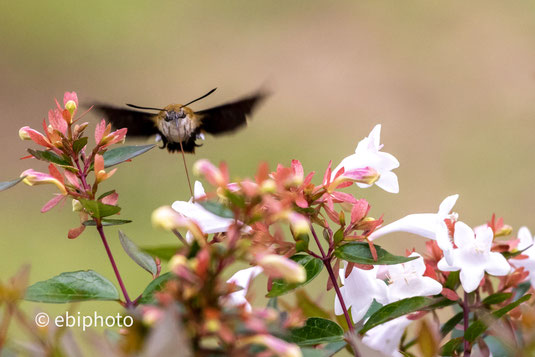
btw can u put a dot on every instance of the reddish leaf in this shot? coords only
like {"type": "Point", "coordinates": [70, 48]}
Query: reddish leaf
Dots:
{"type": "Point", "coordinates": [52, 203]}
{"type": "Point", "coordinates": [449, 294]}
{"type": "Point", "coordinates": [55, 173]}
{"type": "Point", "coordinates": [75, 232]}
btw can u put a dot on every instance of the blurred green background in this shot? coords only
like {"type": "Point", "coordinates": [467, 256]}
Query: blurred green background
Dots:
{"type": "Point", "coordinates": [453, 84]}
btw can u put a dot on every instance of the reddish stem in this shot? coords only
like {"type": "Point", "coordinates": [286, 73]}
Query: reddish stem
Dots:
{"type": "Point", "coordinates": [100, 230]}
{"type": "Point", "coordinates": [327, 262]}
{"type": "Point", "coordinates": [466, 317]}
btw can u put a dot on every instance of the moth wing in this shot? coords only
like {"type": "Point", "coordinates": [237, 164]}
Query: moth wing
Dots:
{"type": "Point", "coordinates": [138, 123]}
{"type": "Point", "coordinates": [230, 116]}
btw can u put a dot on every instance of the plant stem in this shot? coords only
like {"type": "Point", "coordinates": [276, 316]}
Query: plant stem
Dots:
{"type": "Point", "coordinates": [466, 316]}
{"type": "Point", "coordinates": [318, 242]}
{"type": "Point", "coordinates": [100, 230]}
{"type": "Point", "coordinates": [327, 262]}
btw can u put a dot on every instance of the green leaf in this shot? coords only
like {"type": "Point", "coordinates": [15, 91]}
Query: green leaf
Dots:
{"type": "Point", "coordinates": [316, 331]}
{"type": "Point", "coordinates": [7, 184]}
{"type": "Point", "coordinates": [79, 144]}
{"type": "Point", "coordinates": [312, 352]}
{"type": "Point", "coordinates": [453, 280]}
{"type": "Point", "coordinates": [301, 243]}
{"type": "Point", "coordinates": [156, 285]}
{"type": "Point", "coordinates": [236, 200]}
{"type": "Point", "coordinates": [334, 347]}
{"type": "Point", "coordinates": [217, 208]}
{"type": "Point", "coordinates": [359, 252]}
{"type": "Point", "coordinates": [338, 235]}
{"type": "Point", "coordinates": [404, 307]}
{"type": "Point", "coordinates": [481, 325]}
{"type": "Point", "coordinates": [521, 289]}
{"type": "Point", "coordinates": [449, 348]}
{"type": "Point", "coordinates": [117, 155]}
{"type": "Point", "coordinates": [49, 156]}
{"type": "Point", "coordinates": [142, 259]}
{"type": "Point", "coordinates": [82, 285]}
{"type": "Point", "coordinates": [451, 323]}
{"type": "Point", "coordinates": [107, 222]}
{"type": "Point", "coordinates": [496, 298]}
{"type": "Point", "coordinates": [312, 267]}
{"type": "Point", "coordinates": [98, 209]}
{"type": "Point", "coordinates": [308, 306]}
{"type": "Point", "coordinates": [164, 252]}
{"type": "Point", "coordinates": [328, 350]}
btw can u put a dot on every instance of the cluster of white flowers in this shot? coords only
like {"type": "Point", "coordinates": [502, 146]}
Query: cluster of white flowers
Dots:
{"type": "Point", "coordinates": [466, 251]}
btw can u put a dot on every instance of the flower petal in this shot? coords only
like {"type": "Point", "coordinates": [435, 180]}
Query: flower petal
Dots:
{"type": "Point", "coordinates": [447, 205]}
{"type": "Point", "coordinates": [525, 238]}
{"type": "Point", "coordinates": [464, 235]}
{"type": "Point", "coordinates": [470, 278]}
{"type": "Point", "coordinates": [497, 265]}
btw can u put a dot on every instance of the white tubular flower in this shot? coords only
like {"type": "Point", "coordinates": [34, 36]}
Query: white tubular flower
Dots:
{"type": "Point", "coordinates": [368, 154]}
{"type": "Point", "coordinates": [242, 278]}
{"type": "Point", "coordinates": [473, 257]}
{"type": "Point", "coordinates": [386, 337]}
{"type": "Point", "coordinates": [207, 221]}
{"type": "Point", "coordinates": [526, 240]}
{"type": "Point", "coordinates": [408, 280]}
{"type": "Point", "coordinates": [427, 225]}
{"type": "Point", "coordinates": [360, 288]}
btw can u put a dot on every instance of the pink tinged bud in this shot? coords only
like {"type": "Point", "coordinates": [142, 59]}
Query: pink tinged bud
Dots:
{"type": "Point", "coordinates": [367, 175]}
{"type": "Point", "coordinates": [277, 346]}
{"type": "Point", "coordinates": [32, 177]}
{"type": "Point", "coordinates": [278, 266]}
{"type": "Point", "coordinates": [300, 225]}
{"type": "Point", "coordinates": [212, 174]}
{"type": "Point", "coordinates": [70, 97]}
{"type": "Point", "coordinates": [151, 314]}
{"type": "Point", "coordinates": [77, 206]}
{"type": "Point", "coordinates": [23, 134]}
{"type": "Point", "coordinates": [268, 186]}
{"type": "Point", "coordinates": [70, 102]}
{"type": "Point", "coordinates": [168, 219]}
{"type": "Point", "coordinates": [100, 174]}
{"type": "Point", "coordinates": [27, 133]}
{"type": "Point", "coordinates": [177, 263]}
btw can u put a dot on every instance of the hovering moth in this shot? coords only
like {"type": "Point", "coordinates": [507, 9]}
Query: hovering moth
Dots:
{"type": "Point", "coordinates": [178, 126]}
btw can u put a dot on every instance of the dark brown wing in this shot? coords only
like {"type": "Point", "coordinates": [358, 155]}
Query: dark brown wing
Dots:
{"type": "Point", "coordinates": [228, 117]}
{"type": "Point", "coordinates": [138, 123]}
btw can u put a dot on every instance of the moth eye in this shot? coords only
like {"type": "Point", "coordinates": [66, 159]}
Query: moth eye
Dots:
{"type": "Point", "coordinates": [181, 114]}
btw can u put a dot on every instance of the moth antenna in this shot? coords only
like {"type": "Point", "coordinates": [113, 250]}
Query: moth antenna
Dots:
{"type": "Point", "coordinates": [204, 96]}
{"type": "Point", "coordinates": [138, 107]}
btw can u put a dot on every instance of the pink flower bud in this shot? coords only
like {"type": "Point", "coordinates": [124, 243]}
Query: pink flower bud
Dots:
{"type": "Point", "coordinates": [27, 133]}
{"type": "Point", "coordinates": [70, 101]}
{"type": "Point", "coordinates": [168, 219]}
{"type": "Point", "coordinates": [275, 345]}
{"type": "Point", "coordinates": [300, 225]}
{"type": "Point", "coordinates": [278, 266]}
{"type": "Point", "coordinates": [213, 174]}
{"type": "Point", "coordinates": [32, 177]}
